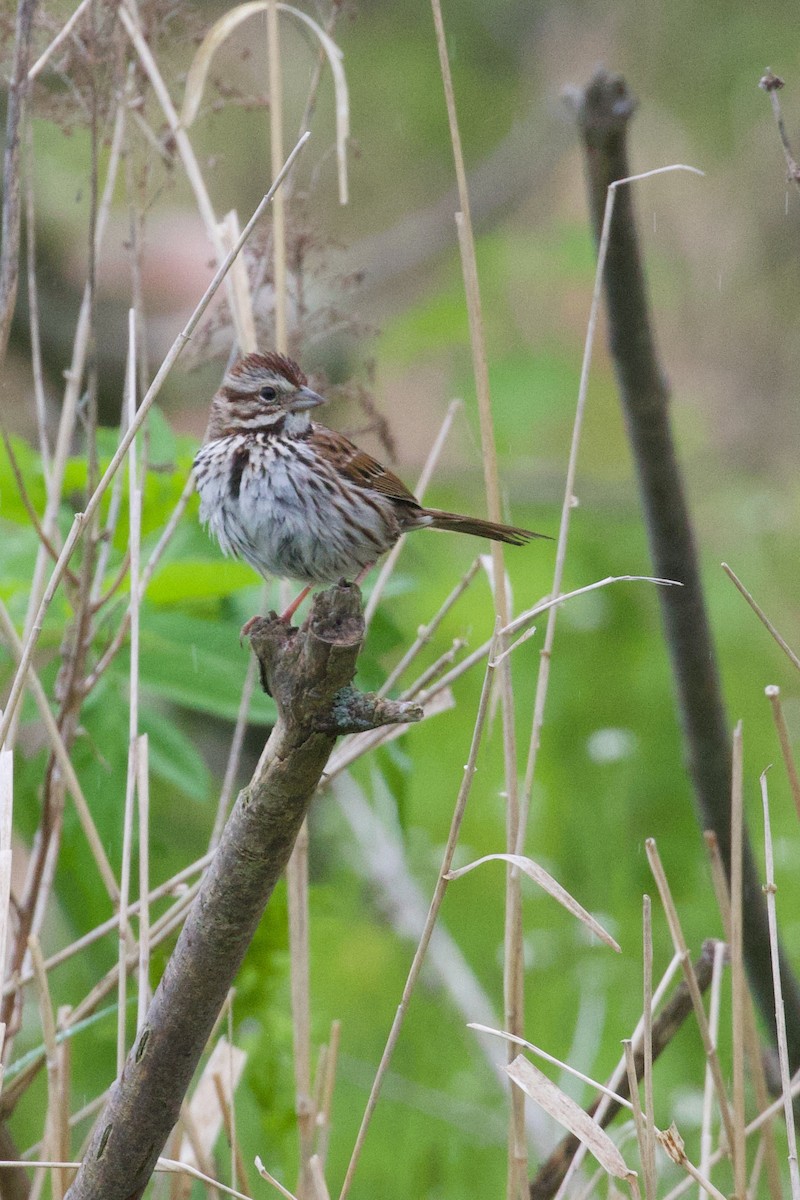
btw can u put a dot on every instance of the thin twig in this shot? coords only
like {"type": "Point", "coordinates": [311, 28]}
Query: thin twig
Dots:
{"type": "Point", "coordinates": [771, 84]}
{"type": "Point", "coordinates": [427, 472]}
{"type": "Point", "coordinates": [58, 40]}
{"type": "Point", "coordinates": [762, 616]}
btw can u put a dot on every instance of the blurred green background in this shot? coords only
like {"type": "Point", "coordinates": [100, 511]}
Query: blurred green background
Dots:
{"type": "Point", "coordinates": [386, 296]}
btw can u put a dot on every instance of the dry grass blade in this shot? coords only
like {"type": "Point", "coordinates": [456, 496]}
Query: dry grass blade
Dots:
{"type": "Point", "coordinates": [426, 632]}
{"type": "Point", "coordinates": [773, 694]}
{"type": "Point", "coordinates": [562, 1108]}
{"type": "Point", "coordinates": [264, 1173]}
{"type": "Point", "coordinates": [706, 1128]}
{"type": "Point", "coordinates": [219, 33]}
{"type": "Point", "coordinates": [762, 616]}
{"type": "Point", "coordinates": [672, 1144]}
{"type": "Point", "coordinates": [780, 1020]}
{"type": "Point", "coordinates": [422, 483]}
{"type": "Point", "coordinates": [556, 1062]}
{"type": "Point", "coordinates": [640, 1123]}
{"type": "Point", "coordinates": [81, 519]}
{"type": "Point", "coordinates": [548, 884]}
{"type": "Point", "coordinates": [679, 942]}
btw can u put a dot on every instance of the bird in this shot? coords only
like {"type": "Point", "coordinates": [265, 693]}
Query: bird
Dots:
{"type": "Point", "coordinates": [296, 499]}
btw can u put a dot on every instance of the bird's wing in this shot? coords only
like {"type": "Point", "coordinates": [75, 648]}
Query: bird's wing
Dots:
{"type": "Point", "coordinates": [357, 466]}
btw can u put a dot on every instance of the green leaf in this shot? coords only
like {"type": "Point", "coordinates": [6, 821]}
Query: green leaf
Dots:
{"type": "Point", "coordinates": [198, 664]}
{"type": "Point", "coordinates": [196, 579]}
{"type": "Point", "coordinates": [173, 756]}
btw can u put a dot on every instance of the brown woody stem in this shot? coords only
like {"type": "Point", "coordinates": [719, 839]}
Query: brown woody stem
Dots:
{"type": "Point", "coordinates": [604, 109]}
{"type": "Point", "coordinates": [309, 671]}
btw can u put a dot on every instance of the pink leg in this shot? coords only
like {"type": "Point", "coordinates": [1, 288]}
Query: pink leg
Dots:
{"type": "Point", "coordinates": [285, 616]}
{"type": "Point", "coordinates": [362, 574]}
{"type": "Point", "coordinates": [293, 607]}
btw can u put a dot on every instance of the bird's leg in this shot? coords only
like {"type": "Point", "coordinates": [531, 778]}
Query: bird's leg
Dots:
{"type": "Point", "coordinates": [287, 615]}
{"type": "Point", "coordinates": [362, 574]}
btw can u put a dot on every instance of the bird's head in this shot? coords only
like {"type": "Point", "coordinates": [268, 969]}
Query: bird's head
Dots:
{"type": "Point", "coordinates": [261, 391]}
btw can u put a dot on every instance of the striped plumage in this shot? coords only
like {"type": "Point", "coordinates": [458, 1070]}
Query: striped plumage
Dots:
{"type": "Point", "coordinates": [292, 497]}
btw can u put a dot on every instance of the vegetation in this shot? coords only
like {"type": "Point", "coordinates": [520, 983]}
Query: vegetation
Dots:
{"type": "Point", "coordinates": [148, 687]}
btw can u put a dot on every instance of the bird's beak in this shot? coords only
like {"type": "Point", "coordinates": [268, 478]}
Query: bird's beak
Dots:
{"type": "Point", "coordinates": [305, 398]}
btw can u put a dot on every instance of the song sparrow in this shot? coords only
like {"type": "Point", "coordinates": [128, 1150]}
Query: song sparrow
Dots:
{"type": "Point", "coordinates": [296, 499]}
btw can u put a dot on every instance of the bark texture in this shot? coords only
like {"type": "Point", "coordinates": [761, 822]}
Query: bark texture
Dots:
{"type": "Point", "coordinates": [309, 671]}
{"type": "Point", "coordinates": [604, 109]}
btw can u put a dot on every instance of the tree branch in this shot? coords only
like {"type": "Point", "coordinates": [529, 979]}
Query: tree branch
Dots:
{"type": "Point", "coordinates": [309, 671]}
{"type": "Point", "coordinates": [604, 109]}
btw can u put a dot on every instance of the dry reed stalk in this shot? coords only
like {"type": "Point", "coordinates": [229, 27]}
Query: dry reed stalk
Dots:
{"type": "Point", "coordinates": [513, 968]}
{"type": "Point", "coordinates": [227, 1108]}
{"type": "Point", "coordinates": [753, 1043]}
{"type": "Point", "coordinates": [325, 1100]}
{"type": "Point", "coordinates": [679, 942]}
{"type": "Point", "coordinates": [762, 616]}
{"type": "Point", "coordinates": [112, 924]}
{"type": "Point", "coordinates": [755, 1126]}
{"type": "Point", "coordinates": [706, 1126]}
{"type": "Point", "coordinates": [134, 544]}
{"type": "Point", "coordinates": [422, 946]}
{"type": "Point", "coordinates": [773, 694]}
{"type": "Point", "coordinates": [276, 157]}
{"type": "Point", "coordinates": [6, 814]}
{"type": "Point", "coordinates": [40, 400]}
{"type": "Point", "coordinates": [639, 1120]}
{"type": "Point", "coordinates": [426, 632]}
{"type": "Point", "coordinates": [81, 519]}
{"type": "Point", "coordinates": [229, 232]}
{"type": "Point", "coordinates": [300, 986]}
{"type": "Point", "coordinates": [62, 35]}
{"type": "Point", "coordinates": [649, 1159]}
{"type": "Point", "coordinates": [389, 563]}
{"type": "Point", "coordinates": [129, 17]}
{"type": "Point", "coordinates": [783, 1052]}
{"type": "Point", "coordinates": [143, 808]}
{"type": "Point", "coordinates": [739, 982]}
{"type": "Point", "coordinates": [568, 503]}
{"type": "Point", "coordinates": [52, 1119]}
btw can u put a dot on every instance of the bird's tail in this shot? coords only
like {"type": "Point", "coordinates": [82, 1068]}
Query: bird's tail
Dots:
{"type": "Point", "coordinates": [480, 528]}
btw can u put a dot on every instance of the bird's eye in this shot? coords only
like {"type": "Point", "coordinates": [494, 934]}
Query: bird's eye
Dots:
{"type": "Point", "coordinates": [268, 393]}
